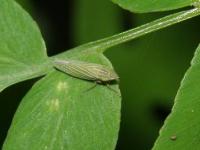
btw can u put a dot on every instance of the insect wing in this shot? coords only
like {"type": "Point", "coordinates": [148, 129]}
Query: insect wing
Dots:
{"type": "Point", "coordinates": [102, 73]}
{"type": "Point", "coordinates": [88, 71]}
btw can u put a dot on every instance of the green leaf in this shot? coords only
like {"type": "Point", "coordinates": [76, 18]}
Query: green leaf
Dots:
{"type": "Point", "coordinates": [60, 113]}
{"type": "Point", "coordinates": [181, 129]}
{"type": "Point", "coordinates": [26, 4]}
{"type": "Point", "coordinates": [143, 6]}
{"type": "Point", "coordinates": [22, 50]}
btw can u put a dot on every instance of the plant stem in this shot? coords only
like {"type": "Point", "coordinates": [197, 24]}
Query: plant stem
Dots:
{"type": "Point", "coordinates": [103, 44]}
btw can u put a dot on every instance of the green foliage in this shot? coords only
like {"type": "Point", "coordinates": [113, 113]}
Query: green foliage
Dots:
{"type": "Point", "coordinates": [181, 128]}
{"type": "Point", "coordinates": [59, 112]}
{"type": "Point", "coordinates": [58, 106]}
{"type": "Point", "coordinates": [142, 6]}
{"type": "Point", "coordinates": [22, 50]}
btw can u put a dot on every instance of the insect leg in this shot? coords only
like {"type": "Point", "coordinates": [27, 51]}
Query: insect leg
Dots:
{"type": "Point", "coordinates": [108, 86]}
{"type": "Point", "coordinates": [95, 84]}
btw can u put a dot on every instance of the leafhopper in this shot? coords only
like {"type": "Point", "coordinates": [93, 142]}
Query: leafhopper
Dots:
{"type": "Point", "coordinates": [87, 71]}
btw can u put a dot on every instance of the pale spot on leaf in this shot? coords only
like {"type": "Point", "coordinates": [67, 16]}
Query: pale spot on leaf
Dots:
{"type": "Point", "coordinates": [53, 104]}
{"type": "Point", "coordinates": [61, 86]}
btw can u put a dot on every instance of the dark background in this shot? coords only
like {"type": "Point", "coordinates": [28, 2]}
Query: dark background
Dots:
{"type": "Point", "coordinates": [150, 67]}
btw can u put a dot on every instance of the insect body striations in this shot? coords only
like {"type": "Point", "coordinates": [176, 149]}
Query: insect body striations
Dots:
{"type": "Point", "coordinates": [87, 71]}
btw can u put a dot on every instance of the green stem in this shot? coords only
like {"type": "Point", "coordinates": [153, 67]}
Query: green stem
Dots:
{"type": "Point", "coordinates": [103, 44]}
{"type": "Point", "coordinates": [106, 43]}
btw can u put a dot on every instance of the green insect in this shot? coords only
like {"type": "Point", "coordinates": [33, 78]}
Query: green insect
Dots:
{"type": "Point", "coordinates": [88, 71]}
